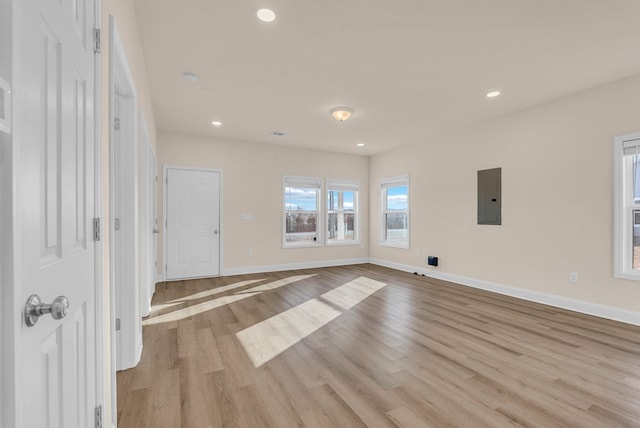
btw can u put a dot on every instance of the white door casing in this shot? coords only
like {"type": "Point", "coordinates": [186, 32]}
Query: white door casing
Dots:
{"type": "Point", "coordinates": [192, 223]}
{"type": "Point", "coordinates": [125, 279]}
{"type": "Point", "coordinates": [145, 228]}
{"type": "Point", "coordinates": [154, 213]}
{"type": "Point", "coordinates": [54, 143]}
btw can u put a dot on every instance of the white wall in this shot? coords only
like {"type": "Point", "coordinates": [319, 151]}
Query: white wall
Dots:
{"type": "Point", "coordinates": [252, 184]}
{"type": "Point", "coordinates": [557, 198]}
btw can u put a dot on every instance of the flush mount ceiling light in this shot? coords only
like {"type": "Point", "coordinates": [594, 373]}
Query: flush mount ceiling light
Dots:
{"type": "Point", "coordinates": [360, 144]}
{"type": "Point", "coordinates": [341, 113]}
{"type": "Point", "coordinates": [493, 94]}
{"type": "Point", "coordinates": [266, 15]}
{"type": "Point", "coordinates": [216, 123]}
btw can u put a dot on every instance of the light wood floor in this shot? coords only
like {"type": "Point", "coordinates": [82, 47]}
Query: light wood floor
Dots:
{"type": "Point", "coordinates": [415, 353]}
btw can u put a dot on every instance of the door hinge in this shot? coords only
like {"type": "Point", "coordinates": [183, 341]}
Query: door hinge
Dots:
{"type": "Point", "coordinates": [96, 229]}
{"type": "Point", "coordinates": [116, 123]}
{"type": "Point", "coordinates": [117, 324]}
{"type": "Point", "coordinates": [116, 224]}
{"type": "Point", "coordinates": [96, 41]}
{"type": "Point", "coordinates": [98, 417]}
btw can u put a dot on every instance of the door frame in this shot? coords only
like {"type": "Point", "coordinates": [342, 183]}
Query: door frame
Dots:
{"type": "Point", "coordinates": [11, 308]}
{"type": "Point", "coordinates": [165, 198]}
{"type": "Point", "coordinates": [120, 79]}
{"type": "Point", "coordinates": [146, 225]}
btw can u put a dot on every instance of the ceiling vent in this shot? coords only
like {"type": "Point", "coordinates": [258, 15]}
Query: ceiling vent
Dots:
{"type": "Point", "coordinates": [279, 133]}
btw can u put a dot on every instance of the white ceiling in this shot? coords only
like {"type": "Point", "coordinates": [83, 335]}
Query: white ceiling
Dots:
{"type": "Point", "coordinates": [411, 69]}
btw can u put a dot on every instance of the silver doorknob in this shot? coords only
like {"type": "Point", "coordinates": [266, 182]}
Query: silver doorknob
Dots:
{"type": "Point", "coordinates": [215, 232]}
{"type": "Point", "coordinates": [156, 230]}
{"type": "Point", "coordinates": [34, 309]}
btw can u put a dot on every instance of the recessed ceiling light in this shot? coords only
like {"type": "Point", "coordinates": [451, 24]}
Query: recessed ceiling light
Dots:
{"type": "Point", "coordinates": [188, 75]}
{"type": "Point", "coordinates": [216, 123]}
{"type": "Point", "coordinates": [360, 144]}
{"type": "Point", "coordinates": [493, 94]}
{"type": "Point", "coordinates": [266, 15]}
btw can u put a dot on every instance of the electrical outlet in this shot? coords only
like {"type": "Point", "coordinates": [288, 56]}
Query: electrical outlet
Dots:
{"type": "Point", "coordinates": [573, 277]}
{"type": "Point", "coordinates": [432, 261]}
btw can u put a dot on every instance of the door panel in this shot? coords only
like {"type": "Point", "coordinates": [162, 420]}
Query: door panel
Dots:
{"type": "Point", "coordinates": [193, 223]}
{"type": "Point", "coordinates": [54, 146]}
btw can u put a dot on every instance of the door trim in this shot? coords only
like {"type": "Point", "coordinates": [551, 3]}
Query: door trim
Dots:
{"type": "Point", "coordinates": [120, 78]}
{"type": "Point", "coordinates": [99, 292]}
{"type": "Point", "coordinates": [165, 172]}
{"type": "Point", "coordinates": [145, 227]}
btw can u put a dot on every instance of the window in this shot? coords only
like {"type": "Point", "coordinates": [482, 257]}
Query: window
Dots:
{"type": "Point", "coordinates": [342, 212]}
{"type": "Point", "coordinates": [301, 211]}
{"type": "Point", "coordinates": [395, 212]}
{"type": "Point", "coordinates": [627, 207]}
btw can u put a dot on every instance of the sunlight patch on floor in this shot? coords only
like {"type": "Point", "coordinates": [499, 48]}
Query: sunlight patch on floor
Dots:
{"type": "Point", "coordinates": [348, 295]}
{"type": "Point", "coordinates": [190, 311]}
{"type": "Point", "coordinates": [281, 282]}
{"type": "Point", "coordinates": [199, 308]}
{"type": "Point", "coordinates": [161, 306]}
{"type": "Point", "coordinates": [269, 338]}
{"type": "Point", "coordinates": [218, 290]}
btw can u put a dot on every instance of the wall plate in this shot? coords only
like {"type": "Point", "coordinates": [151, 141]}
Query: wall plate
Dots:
{"type": "Point", "coordinates": [5, 106]}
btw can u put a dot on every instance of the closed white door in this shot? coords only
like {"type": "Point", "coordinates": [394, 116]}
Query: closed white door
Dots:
{"type": "Point", "coordinates": [53, 142]}
{"type": "Point", "coordinates": [192, 223]}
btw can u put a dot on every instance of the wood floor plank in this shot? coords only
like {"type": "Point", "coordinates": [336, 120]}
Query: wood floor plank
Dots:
{"type": "Point", "coordinates": [398, 350]}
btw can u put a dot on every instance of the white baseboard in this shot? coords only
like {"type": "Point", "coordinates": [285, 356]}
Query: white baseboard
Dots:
{"type": "Point", "coordinates": [588, 308]}
{"type": "Point", "coordinates": [292, 266]}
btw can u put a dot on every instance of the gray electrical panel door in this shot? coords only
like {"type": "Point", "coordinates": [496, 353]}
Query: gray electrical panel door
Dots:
{"type": "Point", "coordinates": [490, 196]}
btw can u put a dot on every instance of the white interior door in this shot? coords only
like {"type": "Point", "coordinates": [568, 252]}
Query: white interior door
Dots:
{"type": "Point", "coordinates": [192, 223]}
{"type": "Point", "coordinates": [54, 141]}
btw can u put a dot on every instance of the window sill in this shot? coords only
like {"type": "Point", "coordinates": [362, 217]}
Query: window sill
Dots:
{"type": "Point", "coordinates": [343, 243]}
{"type": "Point", "coordinates": [633, 275]}
{"type": "Point", "coordinates": [293, 246]}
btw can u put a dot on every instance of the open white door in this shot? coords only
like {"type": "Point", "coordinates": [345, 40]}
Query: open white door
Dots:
{"type": "Point", "coordinates": [192, 223]}
{"type": "Point", "coordinates": [54, 252]}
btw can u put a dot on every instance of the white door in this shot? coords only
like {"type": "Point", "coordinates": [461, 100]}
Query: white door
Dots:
{"type": "Point", "coordinates": [193, 223]}
{"type": "Point", "coordinates": [54, 141]}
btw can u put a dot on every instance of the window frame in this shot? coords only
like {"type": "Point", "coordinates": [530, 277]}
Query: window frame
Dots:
{"type": "Point", "coordinates": [343, 185]}
{"type": "Point", "coordinates": [385, 184]}
{"type": "Point", "coordinates": [624, 205]}
{"type": "Point", "coordinates": [304, 183]}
